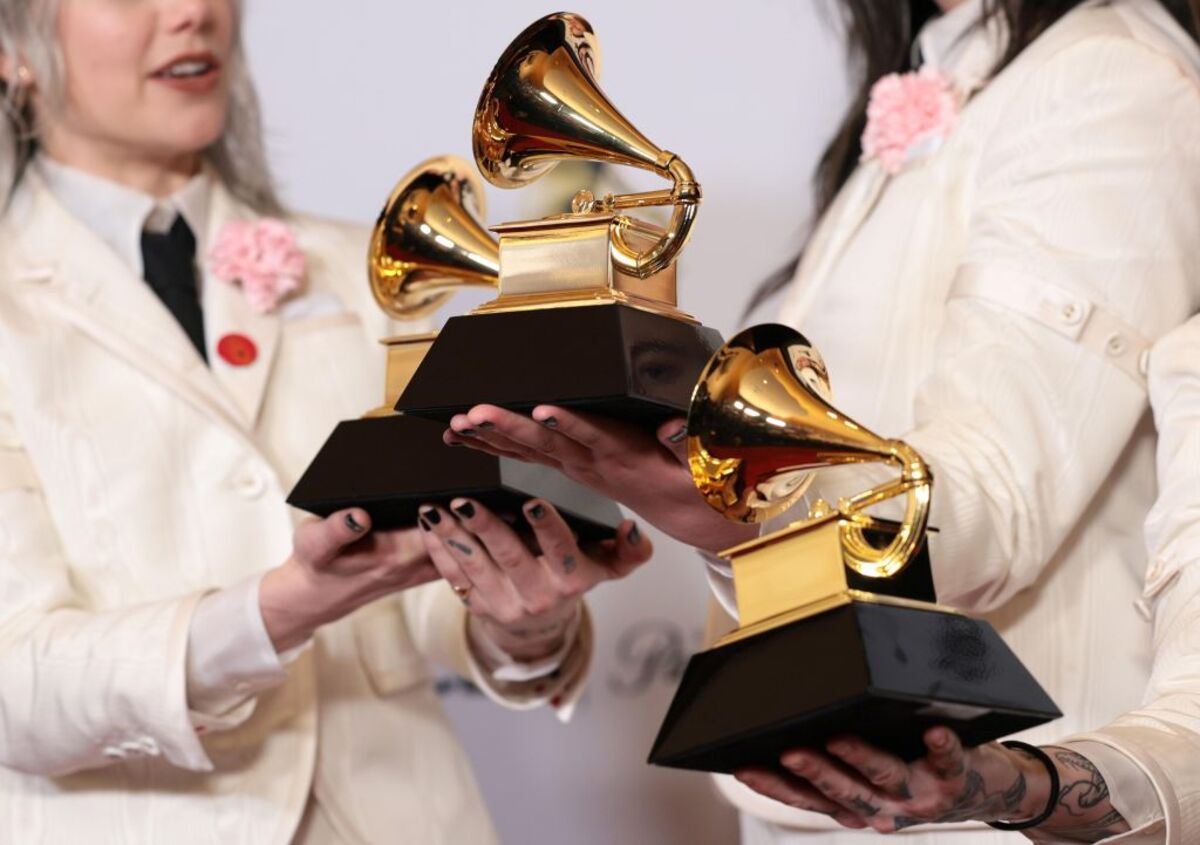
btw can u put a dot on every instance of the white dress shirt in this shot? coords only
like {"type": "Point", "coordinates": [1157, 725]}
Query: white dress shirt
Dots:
{"type": "Point", "coordinates": [119, 214]}
{"type": "Point", "coordinates": [993, 305]}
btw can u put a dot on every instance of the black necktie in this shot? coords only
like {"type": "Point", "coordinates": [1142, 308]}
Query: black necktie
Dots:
{"type": "Point", "coordinates": [169, 264]}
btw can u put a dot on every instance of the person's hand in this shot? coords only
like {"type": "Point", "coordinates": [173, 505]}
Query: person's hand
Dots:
{"type": "Point", "coordinates": [862, 787]}
{"type": "Point", "coordinates": [645, 472]}
{"type": "Point", "coordinates": [523, 599]}
{"type": "Point", "coordinates": [338, 565]}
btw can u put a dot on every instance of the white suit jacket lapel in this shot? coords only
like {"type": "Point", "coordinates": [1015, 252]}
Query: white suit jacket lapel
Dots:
{"type": "Point", "coordinates": [227, 313]}
{"type": "Point", "coordinates": [843, 219]}
{"type": "Point", "coordinates": [969, 72]}
{"type": "Point", "coordinates": [87, 284]}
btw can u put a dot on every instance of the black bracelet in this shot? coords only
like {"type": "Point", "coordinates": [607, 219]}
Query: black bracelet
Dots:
{"type": "Point", "coordinates": [1033, 751]}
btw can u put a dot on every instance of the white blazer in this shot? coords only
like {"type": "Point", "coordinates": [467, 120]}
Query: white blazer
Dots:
{"type": "Point", "coordinates": [133, 479]}
{"type": "Point", "coordinates": [992, 305]}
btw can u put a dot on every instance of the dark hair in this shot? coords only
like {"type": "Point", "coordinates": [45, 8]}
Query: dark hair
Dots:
{"type": "Point", "coordinates": [880, 36]}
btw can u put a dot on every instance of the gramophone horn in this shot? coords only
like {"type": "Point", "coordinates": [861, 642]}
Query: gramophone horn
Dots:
{"type": "Point", "coordinates": [760, 421]}
{"type": "Point", "coordinates": [428, 241]}
{"type": "Point", "coordinates": [542, 104]}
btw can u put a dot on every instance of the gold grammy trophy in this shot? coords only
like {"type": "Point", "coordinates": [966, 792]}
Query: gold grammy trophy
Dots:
{"type": "Point", "coordinates": [586, 311]}
{"type": "Point", "coordinates": [839, 630]}
{"type": "Point", "coordinates": [585, 314]}
{"type": "Point", "coordinates": [427, 243]}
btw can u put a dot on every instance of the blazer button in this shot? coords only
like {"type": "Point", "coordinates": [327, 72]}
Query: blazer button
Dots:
{"type": "Point", "coordinates": [1072, 313]}
{"type": "Point", "coordinates": [250, 484]}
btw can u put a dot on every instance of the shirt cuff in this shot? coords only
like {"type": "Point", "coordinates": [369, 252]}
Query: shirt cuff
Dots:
{"type": "Point", "coordinates": [720, 581]}
{"type": "Point", "coordinates": [230, 658]}
{"type": "Point", "coordinates": [1130, 791]}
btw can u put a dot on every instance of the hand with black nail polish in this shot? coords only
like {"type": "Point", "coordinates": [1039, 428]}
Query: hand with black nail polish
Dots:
{"type": "Point", "coordinates": [644, 470]}
{"type": "Point", "coordinates": [338, 564]}
{"type": "Point", "coordinates": [523, 592]}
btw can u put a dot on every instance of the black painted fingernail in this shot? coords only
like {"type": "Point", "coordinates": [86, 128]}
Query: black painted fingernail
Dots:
{"type": "Point", "coordinates": [537, 511]}
{"type": "Point", "coordinates": [353, 525]}
{"type": "Point", "coordinates": [466, 509]}
{"type": "Point", "coordinates": [424, 523]}
{"type": "Point", "coordinates": [485, 425]}
{"type": "Point", "coordinates": [550, 422]}
{"type": "Point", "coordinates": [467, 432]}
{"type": "Point", "coordinates": [679, 435]}
{"type": "Point", "coordinates": [634, 536]}
{"type": "Point", "coordinates": [432, 515]}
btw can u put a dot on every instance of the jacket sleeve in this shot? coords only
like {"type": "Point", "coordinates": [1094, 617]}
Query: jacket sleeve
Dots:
{"type": "Point", "coordinates": [78, 688]}
{"type": "Point", "coordinates": [1081, 251]}
{"type": "Point", "coordinates": [1163, 735]}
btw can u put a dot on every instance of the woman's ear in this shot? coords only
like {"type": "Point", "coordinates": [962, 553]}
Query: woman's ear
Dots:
{"type": "Point", "coordinates": [14, 72]}
{"type": "Point", "coordinates": [18, 80]}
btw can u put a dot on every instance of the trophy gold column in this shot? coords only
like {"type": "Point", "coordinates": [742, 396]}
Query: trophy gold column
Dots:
{"type": "Point", "coordinates": [839, 629]}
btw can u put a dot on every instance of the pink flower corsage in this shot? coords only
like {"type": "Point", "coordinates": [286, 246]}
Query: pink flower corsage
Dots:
{"type": "Point", "coordinates": [908, 114]}
{"type": "Point", "coordinates": [259, 256]}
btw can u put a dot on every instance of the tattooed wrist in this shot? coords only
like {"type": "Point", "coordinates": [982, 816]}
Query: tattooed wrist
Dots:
{"type": "Point", "coordinates": [1084, 812]}
{"type": "Point", "coordinates": [1002, 794]}
{"type": "Point", "coordinates": [975, 802]}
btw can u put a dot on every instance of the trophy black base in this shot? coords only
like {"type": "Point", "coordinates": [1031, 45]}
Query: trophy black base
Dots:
{"type": "Point", "coordinates": [391, 466]}
{"type": "Point", "coordinates": [611, 359]}
{"type": "Point", "coordinates": [882, 672]}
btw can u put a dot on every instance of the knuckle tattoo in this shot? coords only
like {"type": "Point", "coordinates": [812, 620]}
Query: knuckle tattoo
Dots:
{"type": "Point", "coordinates": [863, 806]}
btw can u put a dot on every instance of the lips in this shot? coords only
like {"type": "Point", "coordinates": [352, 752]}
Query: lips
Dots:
{"type": "Point", "coordinates": [192, 72]}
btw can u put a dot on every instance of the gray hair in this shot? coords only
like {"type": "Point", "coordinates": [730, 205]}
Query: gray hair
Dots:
{"type": "Point", "coordinates": [28, 31]}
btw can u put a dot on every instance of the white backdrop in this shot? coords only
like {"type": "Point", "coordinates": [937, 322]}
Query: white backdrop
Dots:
{"type": "Point", "coordinates": [357, 92]}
